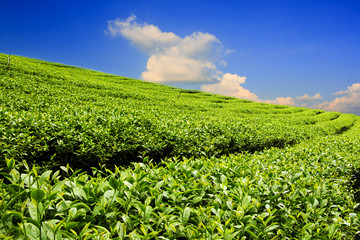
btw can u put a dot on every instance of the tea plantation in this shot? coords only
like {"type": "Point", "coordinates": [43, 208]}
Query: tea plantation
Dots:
{"type": "Point", "coordinates": [89, 155]}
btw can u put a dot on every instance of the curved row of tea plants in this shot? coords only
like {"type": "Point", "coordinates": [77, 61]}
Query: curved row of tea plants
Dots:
{"type": "Point", "coordinates": [52, 114]}
{"type": "Point", "coordinates": [229, 168]}
{"type": "Point", "coordinates": [300, 192]}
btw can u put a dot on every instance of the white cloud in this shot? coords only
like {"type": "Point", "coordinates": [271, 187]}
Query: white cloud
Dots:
{"type": "Point", "coordinates": [349, 102]}
{"type": "Point", "coordinates": [307, 98]}
{"type": "Point", "coordinates": [351, 89]}
{"type": "Point", "coordinates": [302, 101]}
{"type": "Point", "coordinates": [172, 68]}
{"type": "Point", "coordinates": [282, 101]}
{"type": "Point", "coordinates": [171, 58]}
{"type": "Point", "coordinates": [194, 58]}
{"type": "Point", "coordinates": [230, 85]}
{"type": "Point", "coordinates": [148, 38]}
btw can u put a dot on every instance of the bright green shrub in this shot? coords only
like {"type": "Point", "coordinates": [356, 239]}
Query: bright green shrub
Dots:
{"type": "Point", "coordinates": [208, 166]}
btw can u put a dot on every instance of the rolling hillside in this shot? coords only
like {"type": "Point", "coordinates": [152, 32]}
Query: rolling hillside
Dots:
{"type": "Point", "coordinates": [89, 155]}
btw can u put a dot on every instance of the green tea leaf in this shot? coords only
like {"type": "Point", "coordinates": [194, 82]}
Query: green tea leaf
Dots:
{"type": "Point", "coordinates": [332, 230]}
{"type": "Point", "coordinates": [34, 222]}
{"type": "Point", "coordinates": [32, 210]}
{"type": "Point", "coordinates": [121, 230]}
{"type": "Point", "coordinates": [10, 163]}
{"type": "Point", "coordinates": [44, 176]}
{"type": "Point", "coordinates": [114, 183]}
{"type": "Point", "coordinates": [186, 215]}
{"type": "Point", "coordinates": [148, 212]}
{"type": "Point", "coordinates": [38, 195]}
{"type": "Point", "coordinates": [70, 225]}
{"type": "Point", "coordinates": [196, 199]}
{"type": "Point", "coordinates": [8, 214]}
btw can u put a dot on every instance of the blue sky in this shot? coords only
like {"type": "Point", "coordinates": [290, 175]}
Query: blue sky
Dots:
{"type": "Point", "coordinates": [301, 53]}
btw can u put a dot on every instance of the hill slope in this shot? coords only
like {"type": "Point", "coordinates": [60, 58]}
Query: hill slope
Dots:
{"type": "Point", "coordinates": [64, 114]}
{"type": "Point", "coordinates": [229, 169]}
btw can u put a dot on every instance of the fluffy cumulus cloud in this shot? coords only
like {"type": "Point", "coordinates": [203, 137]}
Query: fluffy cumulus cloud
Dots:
{"type": "Point", "coordinates": [303, 101]}
{"type": "Point", "coordinates": [282, 101]}
{"type": "Point", "coordinates": [148, 38]}
{"type": "Point", "coordinates": [194, 58]}
{"type": "Point", "coordinates": [349, 100]}
{"type": "Point", "coordinates": [171, 58]}
{"type": "Point", "coordinates": [230, 85]}
{"type": "Point", "coordinates": [307, 98]}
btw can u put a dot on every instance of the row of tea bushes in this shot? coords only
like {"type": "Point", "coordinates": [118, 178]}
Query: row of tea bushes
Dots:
{"type": "Point", "coordinates": [300, 192]}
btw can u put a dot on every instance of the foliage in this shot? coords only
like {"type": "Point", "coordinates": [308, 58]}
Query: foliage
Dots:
{"type": "Point", "coordinates": [198, 166]}
{"type": "Point", "coordinates": [56, 114]}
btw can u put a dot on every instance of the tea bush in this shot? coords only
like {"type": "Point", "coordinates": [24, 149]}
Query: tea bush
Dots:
{"type": "Point", "coordinates": [164, 165]}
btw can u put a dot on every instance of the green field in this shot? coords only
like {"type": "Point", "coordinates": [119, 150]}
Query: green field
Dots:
{"type": "Point", "coordinates": [89, 155]}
